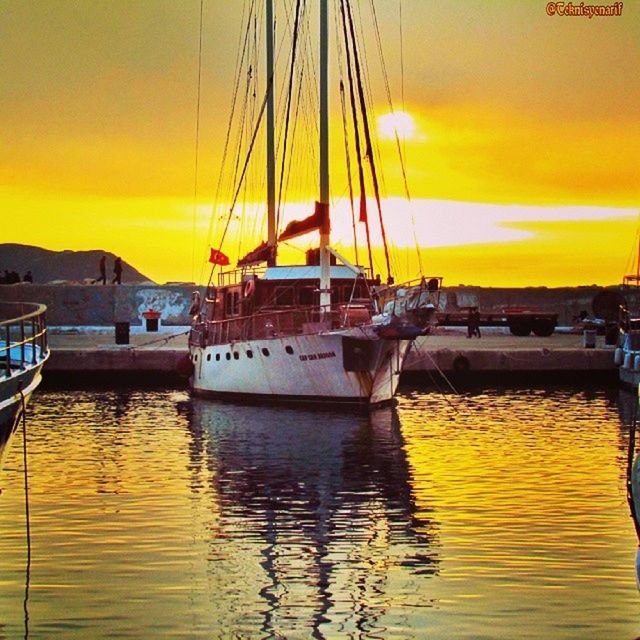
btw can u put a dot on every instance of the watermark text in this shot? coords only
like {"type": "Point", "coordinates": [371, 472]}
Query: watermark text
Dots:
{"type": "Point", "coordinates": [584, 10]}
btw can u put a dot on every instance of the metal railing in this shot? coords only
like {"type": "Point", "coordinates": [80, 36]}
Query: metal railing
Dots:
{"type": "Point", "coordinates": [278, 323]}
{"type": "Point", "coordinates": [23, 336]}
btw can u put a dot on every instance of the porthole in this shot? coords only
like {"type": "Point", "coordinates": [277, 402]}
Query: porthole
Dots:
{"type": "Point", "coordinates": [208, 357]}
{"type": "Point", "coordinates": [289, 349]}
{"type": "Point", "coordinates": [195, 358]}
{"type": "Point", "coordinates": [236, 355]}
{"type": "Point", "coordinates": [228, 356]}
{"type": "Point", "coordinates": [249, 354]}
{"type": "Point", "coordinates": [217, 357]}
{"type": "Point", "coordinates": [265, 351]}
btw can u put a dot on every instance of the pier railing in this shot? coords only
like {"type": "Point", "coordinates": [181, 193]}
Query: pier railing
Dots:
{"type": "Point", "coordinates": [23, 336]}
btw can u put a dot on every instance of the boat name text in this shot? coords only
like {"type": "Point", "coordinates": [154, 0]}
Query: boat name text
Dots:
{"type": "Point", "coordinates": [318, 356]}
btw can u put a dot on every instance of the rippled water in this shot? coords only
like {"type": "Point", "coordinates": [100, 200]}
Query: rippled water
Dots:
{"type": "Point", "coordinates": [496, 514]}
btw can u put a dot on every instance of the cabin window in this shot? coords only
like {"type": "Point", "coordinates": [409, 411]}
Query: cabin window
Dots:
{"type": "Point", "coordinates": [236, 355]}
{"type": "Point", "coordinates": [289, 349]}
{"type": "Point", "coordinates": [249, 354]}
{"type": "Point", "coordinates": [217, 357]}
{"type": "Point", "coordinates": [208, 357]}
{"type": "Point", "coordinates": [360, 292]}
{"type": "Point", "coordinates": [306, 296]}
{"type": "Point", "coordinates": [228, 356]}
{"type": "Point", "coordinates": [232, 303]}
{"type": "Point", "coordinates": [285, 296]}
{"type": "Point", "coordinates": [265, 351]}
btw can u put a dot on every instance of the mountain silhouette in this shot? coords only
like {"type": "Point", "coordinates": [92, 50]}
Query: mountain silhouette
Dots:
{"type": "Point", "coordinates": [71, 266]}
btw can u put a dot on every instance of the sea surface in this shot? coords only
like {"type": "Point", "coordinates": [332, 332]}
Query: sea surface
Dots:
{"type": "Point", "coordinates": [497, 513]}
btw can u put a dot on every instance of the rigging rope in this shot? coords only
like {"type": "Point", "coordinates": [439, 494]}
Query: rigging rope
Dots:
{"type": "Point", "coordinates": [367, 134]}
{"type": "Point", "coordinates": [244, 167]}
{"type": "Point", "coordinates": [347, 154]}
{"type": "Point", "coordinates": [197, 149]}
{"type": "Point", "coordinates": [240, 56]}
{"type": "Point", "coordinates": [401, 155]}
{"type": "Point", "coordinates": [288, 112]}
{"type": "Point", "coordinates": [356, 128]}
{"type": "Point", "coordinates": [345, 135]}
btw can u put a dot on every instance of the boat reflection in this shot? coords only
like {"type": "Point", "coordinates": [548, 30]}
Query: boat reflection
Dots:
{"type": "Point", "coordinates": [326, 499]}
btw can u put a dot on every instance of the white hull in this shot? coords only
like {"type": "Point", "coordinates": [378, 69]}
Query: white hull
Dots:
{"type": "Point", "coordinates": [12, 401]}
{"type": "Point", "coordinates": [311, 368]}
{"type": "Point", "coordinates": [629, 377]}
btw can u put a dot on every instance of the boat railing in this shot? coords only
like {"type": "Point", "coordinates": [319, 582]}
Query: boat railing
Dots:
{"type": "Point", "coordinates": [278, 323]}
{"type": "Point", "coordinates": [23, 336]}
{"type": "Point", "coordinates": [238, 275]}
{"type": "Point", "coordinates": [410, 295]}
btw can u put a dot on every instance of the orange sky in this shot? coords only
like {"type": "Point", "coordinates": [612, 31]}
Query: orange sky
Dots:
{"type": "Point", "coordinates": [523, 165]}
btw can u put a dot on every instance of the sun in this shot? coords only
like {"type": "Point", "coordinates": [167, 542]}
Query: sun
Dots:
{"type": "Point", "coordinates": [397, 123]}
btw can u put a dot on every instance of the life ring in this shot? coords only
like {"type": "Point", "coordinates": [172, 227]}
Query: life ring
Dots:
{"type": "Point", "coordinates": [249, 288]}
{"type": "Point", "coordinates": [461, 364]}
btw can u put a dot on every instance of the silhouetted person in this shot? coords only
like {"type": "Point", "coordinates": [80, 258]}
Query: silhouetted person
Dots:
{"type": "Point", "coordinates": [28, 277]}
{"type": "Point", "coordinates": [103, 270]}
{"type": "Point", "coordinates": [473, 323]}
{"type": "Point", "coordinates": [14, 277]}
{"type": "Point", "coordinates": [117, 270]}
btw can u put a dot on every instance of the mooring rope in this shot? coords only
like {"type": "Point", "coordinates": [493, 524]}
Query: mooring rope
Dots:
{"type": "Point", "coordinates": [443, 375]}
{"type": "Point", "coordinates": [27, 516]}
{"type": "Point", "coordinates": [164, 339]}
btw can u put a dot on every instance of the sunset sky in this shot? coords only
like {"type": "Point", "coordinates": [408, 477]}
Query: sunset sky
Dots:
{"type": "Point", "coordinates": [521, 134]}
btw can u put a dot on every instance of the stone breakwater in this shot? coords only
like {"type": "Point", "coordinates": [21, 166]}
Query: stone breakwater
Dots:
{"type": "Point", "coordinates": [98, 305]}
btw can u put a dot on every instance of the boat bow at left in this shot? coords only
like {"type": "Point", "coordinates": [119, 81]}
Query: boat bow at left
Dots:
{"type": "Point", "coordinates": [23, 351]}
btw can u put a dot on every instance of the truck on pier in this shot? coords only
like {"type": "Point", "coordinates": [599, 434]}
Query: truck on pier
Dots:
{"type": "Point", "coordinates": [521, 320]}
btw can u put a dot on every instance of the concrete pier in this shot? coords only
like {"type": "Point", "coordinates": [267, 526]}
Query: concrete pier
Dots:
{"type": "Point", "coordinates": [82, 353]}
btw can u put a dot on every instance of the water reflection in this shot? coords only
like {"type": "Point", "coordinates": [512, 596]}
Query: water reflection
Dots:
{"type": "Point", "coordinates": [327, 499]}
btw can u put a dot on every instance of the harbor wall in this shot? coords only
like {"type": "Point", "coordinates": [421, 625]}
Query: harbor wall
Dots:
{"type": "Point", "coordinates": [99, 305]}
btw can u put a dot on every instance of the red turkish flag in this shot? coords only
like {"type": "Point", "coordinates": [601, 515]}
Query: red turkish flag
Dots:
{"type": "Point", "coordinates": [217, 257]}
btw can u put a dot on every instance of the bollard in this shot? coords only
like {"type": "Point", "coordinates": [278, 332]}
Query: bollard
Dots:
{"type": "Point", "coordinates": [122, 333]}
{"type": "Point", "coordinates": [589, 338]}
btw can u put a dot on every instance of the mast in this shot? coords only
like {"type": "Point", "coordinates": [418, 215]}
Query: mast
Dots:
{"type": "Point", "coordinates": [325, 264]}
{"type": "Point", "coordinates": [271, 155]}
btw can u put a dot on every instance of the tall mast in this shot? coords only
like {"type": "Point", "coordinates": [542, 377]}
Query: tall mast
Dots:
{"type": "Point", "coordinates": [325, 268]}
{"type": "Point", "coordinates": [271, 154]}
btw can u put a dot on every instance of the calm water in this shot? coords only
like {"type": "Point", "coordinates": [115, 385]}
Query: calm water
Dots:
{"type": "Point", "coordinates": [487, 515]}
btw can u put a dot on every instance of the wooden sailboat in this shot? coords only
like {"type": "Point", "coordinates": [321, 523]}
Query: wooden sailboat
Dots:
{"type": "Point", "coordinates": [302, 332]}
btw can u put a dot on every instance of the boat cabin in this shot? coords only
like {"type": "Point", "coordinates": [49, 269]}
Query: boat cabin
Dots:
{"type": "Point", "coordinates": [284, 300]}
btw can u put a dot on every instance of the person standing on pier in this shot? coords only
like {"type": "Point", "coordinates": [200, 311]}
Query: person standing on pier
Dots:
{"type": "Point", "coordinates": [473, 322]}
{"type": "Point", "coordinates": [103, 270]}
{"type": "Point", "coordinates": [117, 270]}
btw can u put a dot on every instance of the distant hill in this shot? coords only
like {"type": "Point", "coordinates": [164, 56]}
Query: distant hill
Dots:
{"type": "Point", "coordinates": [73, 266]}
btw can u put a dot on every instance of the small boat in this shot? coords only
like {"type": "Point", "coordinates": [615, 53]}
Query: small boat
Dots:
{"type": "Point", "coordinates": [23, 352]}
{"type": "Point", "coordinates": [624, 315]}
{"type": "Point", "coordinates": [627, 352]}
{"type": "Point", "coordinates": [323, 331]}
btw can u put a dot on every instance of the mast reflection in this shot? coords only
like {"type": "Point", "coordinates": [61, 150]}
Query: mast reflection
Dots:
{"type": "Point", "coordinates": [326, 498]}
